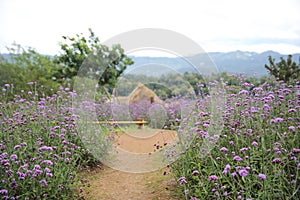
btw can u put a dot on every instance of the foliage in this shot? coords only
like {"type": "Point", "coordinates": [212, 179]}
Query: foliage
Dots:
{"type": "Point", "coordinates": [173, 85]}
{"type": "Point", "coordinates": [26, 65]}
{"type": "Point", "coordinates": [195, 80]}
{"type": "Point", "coordinates": [285, 70]}
{"type": "Point", "coordinates": [41, 146]}
{"type": "Point", "coordinates": [110, 62]}
{"type": "Point", "coordinates": [257, 155]}
{"type": "Point", "coordinates": [165, 86]}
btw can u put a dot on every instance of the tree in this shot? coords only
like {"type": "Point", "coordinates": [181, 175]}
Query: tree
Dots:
{"type": "Point", "coordinates": [285, 70]}
{"type": "Point", "coordinates": [77, 49]}
{"type": "Point", "coordinates": [25, 65]}
{"type": "Point", "coordinates": [9, 73]}
{"type": "Point", "coordinates": [196, 80]}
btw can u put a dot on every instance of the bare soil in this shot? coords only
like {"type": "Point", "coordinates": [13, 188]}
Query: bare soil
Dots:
{"type": "Point", "coordinates": [107, 183]}
{"type": "Point", "coordinates": [145, 140]}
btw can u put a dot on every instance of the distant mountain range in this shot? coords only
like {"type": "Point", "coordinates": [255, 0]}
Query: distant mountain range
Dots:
{"type": "Point", "coordinates": [232, 62]}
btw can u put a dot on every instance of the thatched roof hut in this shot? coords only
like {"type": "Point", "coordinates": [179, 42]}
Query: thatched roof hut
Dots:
{"type": "Point", "coordinates": [142, 93]}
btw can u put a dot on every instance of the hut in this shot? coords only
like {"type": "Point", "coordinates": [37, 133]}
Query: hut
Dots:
{"type": "Point", "coordinates": [143, 94]}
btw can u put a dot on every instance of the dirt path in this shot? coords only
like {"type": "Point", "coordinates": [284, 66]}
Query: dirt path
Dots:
{"type": "Point", "coordinates": [110, 184]}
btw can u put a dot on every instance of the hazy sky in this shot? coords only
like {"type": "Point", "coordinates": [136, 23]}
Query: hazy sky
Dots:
{"type": "Point", "coordinates": [217, 25]}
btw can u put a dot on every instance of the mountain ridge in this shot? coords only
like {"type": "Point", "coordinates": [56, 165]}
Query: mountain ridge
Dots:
{"type": "Point", "coordinates": [238, 61]}
{"type": "Point", "coordinates": [232, 62]}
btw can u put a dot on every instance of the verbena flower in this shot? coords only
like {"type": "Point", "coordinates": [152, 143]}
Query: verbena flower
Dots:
{"type": "Point", "coordinates": [276, 160]}
{"type": "Point", "coordinates": [36, 173]}
{"type": "Point", "coordinates": [244, 92]}
{"type": "Point", "coordinates": [295, 150]}
{"type": "Point", "coordinates": [277, 143]}
{"type": "Point", "coordinates": [37, 167]}
{"type": "Point", "coordinates": [48, 162]}
{"type": "Point", "coordinates": [3, 155]}
{"type": "Point", "coordinates": [244, 149]}
{"type": "Point", "coordinates": [182, 180]}
{"type": "Point", "coordinates": [243, 172]}
{"type": "Point", "coordinates": [278, 119]}
{"type": "Point", "coordinates": [255, 144]}
{"type": "Point", "coordinates": [226, 169]}
{"type": "Point", "coordinates": [3, 191]}
{"type": "Point", "coordinates": [21, 175]}
{"type": "Point", "coordinates": [9, 172]}
{"type": "Point", "coordinates": [45, 148]}
{"type": "Point", "coordinates": [17, 147]}
{"type": "Point", "coordinates": [237, 158]}
{"type": "Point", "coordinates": [4, 161]}
{"type": "Point", "coordinates": [47, 170]}
{"type": "Point", "coordinates": [212, 178]}
{"type": "Point", "coordinates": [13, 184]}
{"type": "Point", "coordinates": [292, 110]}
{"type": "Point", "coordinates": [262, 176]}
{"type": "Point", "coordinates": [28, 173]}
{"type": "Point", "coordinates": [253, 110]}
{"type": "Point", "coordinates": [43, 182]}
{"type": "Point", "coordinates": [224, 149]}
{"type": "Point", "coordinates": [195, 172]}
{"type": "Point", "coordinates": [291, 128]}
{"type": "Point", "coordinates": [13, 157]}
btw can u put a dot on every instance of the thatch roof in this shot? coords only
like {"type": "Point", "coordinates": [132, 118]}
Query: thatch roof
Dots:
{"type": "Point", "coordinates": [142, 93]}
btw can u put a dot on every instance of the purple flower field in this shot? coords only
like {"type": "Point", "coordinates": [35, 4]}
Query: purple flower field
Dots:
{"type": "Point", "coordinates": [39, 146]}
{"type": "Point", "coordinates": [257, 154]}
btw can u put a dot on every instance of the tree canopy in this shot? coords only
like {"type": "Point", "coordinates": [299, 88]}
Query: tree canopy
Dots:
{"type": "Point", "coordinates": [285, 70]}
{"type": "Point", "coordinates": [26, 65]}
{"type": "Point", "coordinates": [109, 62]}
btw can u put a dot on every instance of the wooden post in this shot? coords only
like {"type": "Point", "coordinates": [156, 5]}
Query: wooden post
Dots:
{"type": "Point", "coordinates": [140, 125]}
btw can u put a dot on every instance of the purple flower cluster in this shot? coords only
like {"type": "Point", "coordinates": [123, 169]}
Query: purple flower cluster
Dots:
{"type": "Point", "coordinates": [182, 180]}
{"type": "Point", "coordinates": [212, 178]}
{"type": "Point", "coordinates": [237, 158]}
{"type": "Point", "coordinates": [226, 169]}
{"type": "Point", "coordinates": [243, 172]}
{"type": "Point", "coordinates": [262, 176]}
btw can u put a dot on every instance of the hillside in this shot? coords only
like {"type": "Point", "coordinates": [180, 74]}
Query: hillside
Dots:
{"type": "Point", "coordinates": [233, 62]}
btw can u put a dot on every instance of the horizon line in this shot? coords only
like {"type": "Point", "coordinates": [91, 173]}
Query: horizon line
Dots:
{"type": "Point", "coordinates": [163, 55]}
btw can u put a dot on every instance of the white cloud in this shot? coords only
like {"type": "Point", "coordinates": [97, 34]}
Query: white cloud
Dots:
{"type": "Point", "coordinates": [41, 24]}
